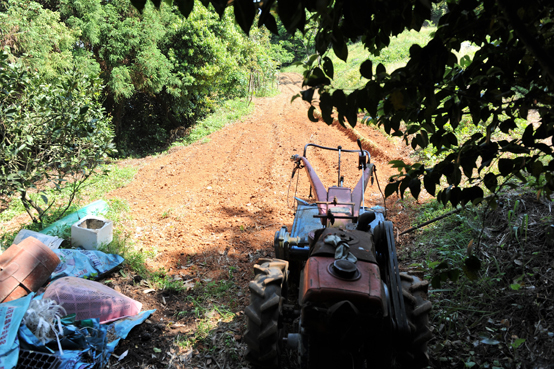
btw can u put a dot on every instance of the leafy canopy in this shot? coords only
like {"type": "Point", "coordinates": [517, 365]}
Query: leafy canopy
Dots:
{"type": "Point", "coordinates": [511, 75]}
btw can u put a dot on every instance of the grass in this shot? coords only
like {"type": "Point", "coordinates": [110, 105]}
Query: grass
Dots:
{"type": "Point", "coordinates": [210, 304]}
{"type": "Point", "coordinates": [226, 114]}
{"type": "Point", "coordinates": [108, 178]}
{"type": "Point", "coordinates": [347, 74]}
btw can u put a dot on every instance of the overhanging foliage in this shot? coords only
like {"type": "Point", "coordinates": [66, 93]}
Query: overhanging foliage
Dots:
{"type": "Point", "coordinates": [511, 74]}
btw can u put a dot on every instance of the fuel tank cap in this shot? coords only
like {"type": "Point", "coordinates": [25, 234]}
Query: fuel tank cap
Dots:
{"type": "Point", "coordinates": [344, 269]}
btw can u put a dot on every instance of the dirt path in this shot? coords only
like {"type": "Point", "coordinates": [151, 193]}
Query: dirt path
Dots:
{"type": "Point", "coordinates": [213, 207]}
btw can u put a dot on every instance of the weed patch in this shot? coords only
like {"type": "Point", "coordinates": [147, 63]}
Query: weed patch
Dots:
{"type": "Point", "coordinates": [229, 112]}
{"type": "Point", "coordinates": [492, 275]}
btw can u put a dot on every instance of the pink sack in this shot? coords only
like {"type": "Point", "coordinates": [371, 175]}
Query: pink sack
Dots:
{"type": "Point", "coordinates": [89, 299]}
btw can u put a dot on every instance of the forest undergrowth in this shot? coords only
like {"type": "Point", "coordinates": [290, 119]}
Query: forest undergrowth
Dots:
{"type": "Point", "coordinates": [492, 276]}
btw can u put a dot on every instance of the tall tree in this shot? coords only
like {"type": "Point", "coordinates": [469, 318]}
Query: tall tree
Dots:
{"type": "Point", "coordinates": [35, 37]}
{"type": "Point", "coordinates": [160, 71]}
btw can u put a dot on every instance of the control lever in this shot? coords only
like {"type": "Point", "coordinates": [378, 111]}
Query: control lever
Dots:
{"type": "Point", "coordinates": [362, 159]}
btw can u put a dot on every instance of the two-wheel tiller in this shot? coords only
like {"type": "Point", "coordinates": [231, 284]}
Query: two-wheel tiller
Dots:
{"type": "Point", "coordinates": [353, 308]}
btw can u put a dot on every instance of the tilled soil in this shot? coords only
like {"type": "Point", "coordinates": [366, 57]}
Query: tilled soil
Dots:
{"type": "Point", "coordinates": [208, 211]}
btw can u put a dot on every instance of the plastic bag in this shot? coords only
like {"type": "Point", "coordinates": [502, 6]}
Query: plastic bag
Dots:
{"type": "Point", "coordinates": [85, 263]}
{"type": "Point", "coordinates": [86, 344]}
{"type": "Point", "coordinates": [11, 314]}
{"type": "Point", "coordinates": [89, 299]}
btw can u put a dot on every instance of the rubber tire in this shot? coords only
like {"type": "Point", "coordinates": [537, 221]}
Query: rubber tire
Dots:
{"type": "Point", "coordinates": [262, 335]}
{"type": "Point", "coordinates": [415, 356]}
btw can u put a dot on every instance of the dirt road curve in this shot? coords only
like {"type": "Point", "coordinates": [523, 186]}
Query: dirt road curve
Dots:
{"type": "Point", "coordinates": [228, 195]}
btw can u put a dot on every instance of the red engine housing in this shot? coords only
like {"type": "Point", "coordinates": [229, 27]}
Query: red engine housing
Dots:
{"type": "Point", "coordinates": [318, 285]}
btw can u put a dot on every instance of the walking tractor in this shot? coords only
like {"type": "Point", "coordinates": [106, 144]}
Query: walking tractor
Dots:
{"type": "Point", "coordinates": [334, 293]}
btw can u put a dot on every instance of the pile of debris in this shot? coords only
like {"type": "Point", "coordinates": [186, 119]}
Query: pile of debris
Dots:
{"type": "Point", "coordinates": [53, 311]}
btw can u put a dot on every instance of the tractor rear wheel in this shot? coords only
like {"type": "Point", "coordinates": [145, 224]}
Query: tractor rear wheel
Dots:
{"type": "Point", "coordinates": [417, 309]}
{"type": "Point", "coordinates": [262, 336]}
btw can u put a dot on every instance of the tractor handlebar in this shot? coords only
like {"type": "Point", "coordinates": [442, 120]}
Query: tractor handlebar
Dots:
{"type": "Point", "coordinates": [361, 151]}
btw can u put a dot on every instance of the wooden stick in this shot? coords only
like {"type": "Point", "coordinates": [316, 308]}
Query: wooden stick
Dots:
{"type": "Point", "coordinates": [432, 220]}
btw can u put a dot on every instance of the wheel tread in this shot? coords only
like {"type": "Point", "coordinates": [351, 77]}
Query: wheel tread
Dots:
{"type": "Point", "coordinates": [272, 302]}
{"type": "Point", "coordinates": [422, 286]}
{"type": "Point", "coordinates": [271, 329]}
{"type": "Point", "coordinates": [423, 308]}
{"type": "Point", "coordinates": [263, 313]}
{"type": "Point", "coordinates": [253, 316]}
{"type": "Point", "coordinates": [256, 288]}
{"type": "Point", "coordinates": [406, 277]}
{"type": "Point", "coordinates": [414, 356]}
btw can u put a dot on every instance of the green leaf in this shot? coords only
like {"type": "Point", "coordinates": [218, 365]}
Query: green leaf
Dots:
{"type": "Point", "coordinates": [328, 67]}
{"type": "Point", "coordinates": [339, 100]}
{"type": "Point", "coordinates": [391, 188]}
{"type": "Point", "coordinates": [537, 168]}
{"type": "Point", "coordinates": [436, 282]}
{"type": "Point", "coordinates": [366, 69]}
{"type": "Point", "coordinates": [219, 6]}
{"type": "Point", "coordinates": [339, 47]}
{"type": "Point", "coordinates": [271, 24]}
{"type": "Point", "coordinates": [294, 97]}
{"type": "Point", "coordinates": [429, 184]}
{"type": "Point", "coordinates": [465, 61]}
{"type": "Point", "coordinates": [139, 4]}
{"type": "Point", "coordinates": [307, 95]}
{"type": "Point", "coordinates": [397, 164]}
{"type": "Point", "coordinates": [505, 166]}
{"type": "Point", "coordinates": [185, 6]}
{"type": "Point", "coordinates": [490, 181]}
{"type": "Point", "coordinates": [317, 78]}
{"type": "Point", "coordinates": [518, 342]}
{"type": "Point", "coordinates": [507, 125]}
{"type": "Point", "coordinates": [454, 274]}
{"type": "Point", "coordinates": [474, 194]}
{"type": "Point", "coordinates": [291, 13]}
{"type": "Point", "coordinates": [311, 114]}
{"type": "Point", "coordinates": [433, 264]}
{"type": "Point", "coordinates": [245, 12]}
{"type": "Point", "coordinates": [415, 187]}
{"type": "Point", "coordinates": [471, 267]}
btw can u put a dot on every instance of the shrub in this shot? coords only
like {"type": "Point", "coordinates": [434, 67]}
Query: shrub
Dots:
{"type": "Point", "coordinates": [51, 135]}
